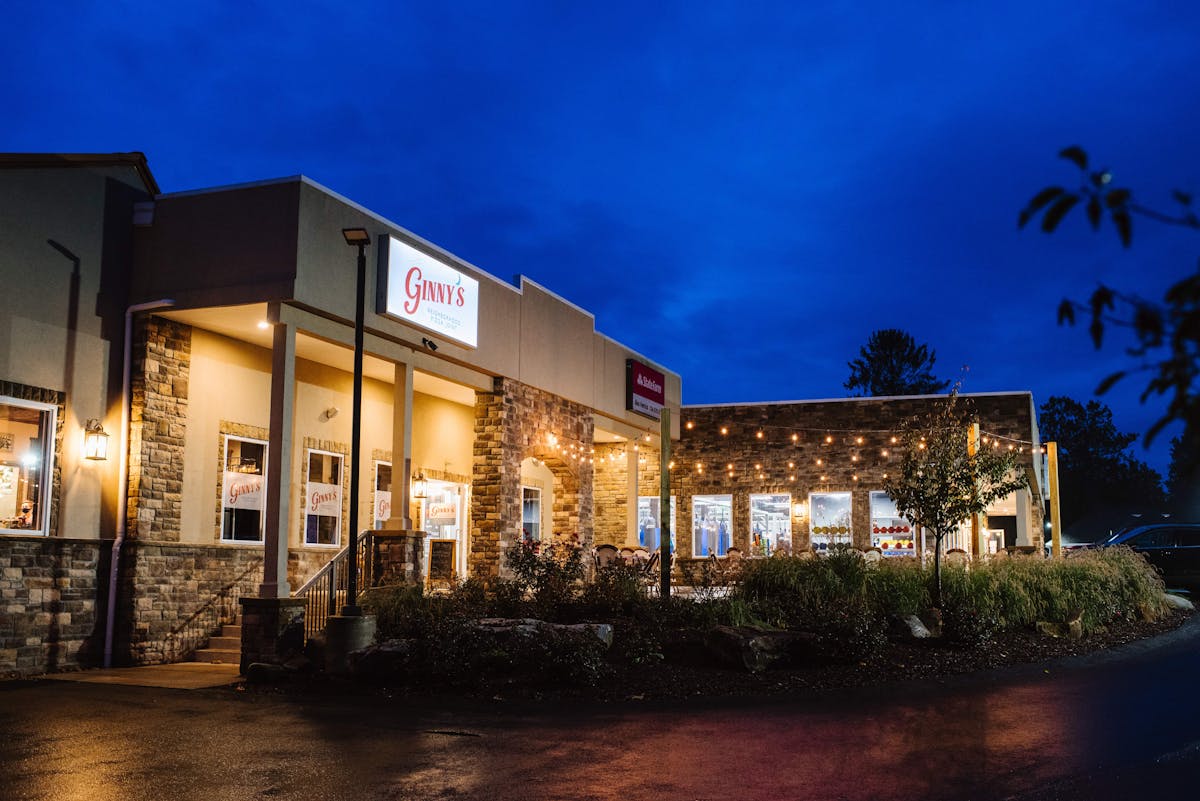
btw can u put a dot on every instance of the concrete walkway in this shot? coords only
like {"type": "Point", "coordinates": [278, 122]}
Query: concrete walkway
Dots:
{"type": "Point", "coordinates": [178, 676]}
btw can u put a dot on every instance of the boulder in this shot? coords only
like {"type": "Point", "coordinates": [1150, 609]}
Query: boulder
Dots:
{"type": "Point", "coordinates": [755, 649]}
{"type": "Point", "coordinates": [529, 627]}
{"type": "Point", "coordinates": [382, 660]}
{"type": "Point", "coordinates": [907, 628]}
{"type": "Point", "coordinates": [266, 673]}
{"type": "Point", "coordinates": [1178, 602]}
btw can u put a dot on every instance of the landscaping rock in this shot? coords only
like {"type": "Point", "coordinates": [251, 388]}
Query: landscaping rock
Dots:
{"type": "Point", "coordinates": [906, 628]}
{"type": "Point", "coordinates": [382, 660]}
{"type": "Point", "coordinates": [1178, 602]}
{"type": "Point", "coordinates": [528, 627]}
{"type": "Point", "coordinates": [753, 648]}
{"type": "Point", "coordinates": [266, 673]}
{"type": "Point", "coordinates": [932, 618]}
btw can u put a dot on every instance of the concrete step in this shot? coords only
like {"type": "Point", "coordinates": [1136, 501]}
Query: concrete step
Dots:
{"type": "Point", "coordinates": [224, 656]}
{"type": "Point", "coordinates": [224, 643]}
{"type": "Point", "coordinates": [232, 630]}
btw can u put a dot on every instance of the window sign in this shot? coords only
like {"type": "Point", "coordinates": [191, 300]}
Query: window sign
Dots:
{"type": "Point", "coordinates": [650, 522]}
{"type": "Point", "coordinates": [829, 518]}
{"type": "Point", "coordinates": [323, 498]}
{"type": "Point", "coordinates": [890, 532]}
{"type": "Point", "coordinates": [422, 290]}
{"type": "Point", "coordinates": [242, 490]}
{"type": "Point", "coordinates": [770, 524]}
{"type": "Point", "coordinates": [383, 493]}
{"type": "Point", "coordinates": [712, 525]}
{"type": "Point", "coordinates": [26, 465]}
{"type": "Point", "coordinates": [531, 514]}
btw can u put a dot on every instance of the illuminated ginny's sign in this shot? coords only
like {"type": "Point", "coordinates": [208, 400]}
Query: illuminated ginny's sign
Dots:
{"type": "Point", "coordinates": [422, 290]}
{"type": "Point", "coordinates": [645, 389]}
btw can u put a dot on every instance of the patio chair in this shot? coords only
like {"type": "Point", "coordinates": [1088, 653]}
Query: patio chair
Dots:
{"type": "Point", "coordinates": [605, 555]}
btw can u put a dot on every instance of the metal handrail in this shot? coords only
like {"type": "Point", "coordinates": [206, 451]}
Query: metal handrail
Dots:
{"type": "Point", "coordinates": [325, 591]}
{"type": "Point", "coordinates": [221, 608]}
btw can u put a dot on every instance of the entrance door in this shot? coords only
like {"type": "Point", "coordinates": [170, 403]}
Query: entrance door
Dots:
{"type": "Point", "coordinates": [443, 519]}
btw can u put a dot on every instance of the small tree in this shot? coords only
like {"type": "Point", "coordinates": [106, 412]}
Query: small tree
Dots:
{"type": "Point", "coordinates": [938, 485]}
{"type": "Point", "coordinates": [892, 363]}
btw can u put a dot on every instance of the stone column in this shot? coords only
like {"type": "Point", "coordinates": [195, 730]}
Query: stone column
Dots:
{"type": "Point", "coordinates": [279, 463]}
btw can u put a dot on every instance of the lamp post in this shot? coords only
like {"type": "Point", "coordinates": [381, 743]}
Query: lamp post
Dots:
{"type": "Point", "coordinates": [359, 238]}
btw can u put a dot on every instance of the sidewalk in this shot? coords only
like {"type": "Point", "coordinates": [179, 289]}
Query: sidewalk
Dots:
{"type": "Point", "coordinates": [178, 676]}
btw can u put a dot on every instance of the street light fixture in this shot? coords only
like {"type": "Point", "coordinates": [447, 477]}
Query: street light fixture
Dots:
{"type": "Point", "coordinates": [359, 238]}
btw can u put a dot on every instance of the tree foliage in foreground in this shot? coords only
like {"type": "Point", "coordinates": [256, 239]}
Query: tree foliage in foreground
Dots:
{"type": "Point", "coordinates": [1166, 334]}
{"type": "Point", "coordinates": [892, 363]}
{"type": "Point", "coordinates": [938, 485]}
{"type": "Point", "coordinates": [1095, 467]}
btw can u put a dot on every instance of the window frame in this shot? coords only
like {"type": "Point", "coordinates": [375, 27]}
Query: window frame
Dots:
{"type": "Point", "coordinates": [262, 513]}
{"type": "Point", "coordinates": [829, 539]}
{"type": "Point", "coordinates": [538, 490]}
{"type": "Point", "coordinates": [337, 543]}
{"type": "Point", "coordinates": [49, 447]}
{"type": "Point", "coordinates": [775, 545]}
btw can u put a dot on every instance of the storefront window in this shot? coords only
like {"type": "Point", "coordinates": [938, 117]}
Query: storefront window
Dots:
{"type": "Point", "coordinates": [383, 493]}
{"type": "Point", "coordinates": [829, 517]}
{"type": "Point", "coordinates": [890, 532]}
{"type": "Point", "coordinates": [442, 522]}
{"type": "Point", "coordinates": [531, 514]}
{"type": "Point", "coordinates": [242, 495]}
{"type": "Point", "coordinates": [323, 498]}
{"type": "Point", "coordinates": [770, 524]}
{"type": "Point", "coordinates": [650, 522]}
{"type": "Point", "coordinates": [26, 464]}
{"type": "Point", "coordinates": [712, 524]}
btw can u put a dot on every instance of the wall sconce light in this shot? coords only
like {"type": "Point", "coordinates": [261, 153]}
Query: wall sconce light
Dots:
{"type": "Point", "coordinates": [418, 487]}
{"type": "Point", "coordinates": [95, 441]}
{"type": "Point", "coordinates": [330, 413]}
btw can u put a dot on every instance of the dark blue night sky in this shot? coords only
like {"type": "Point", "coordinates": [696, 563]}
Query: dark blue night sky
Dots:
{"type": "Point", "coordinates": [742, 191]}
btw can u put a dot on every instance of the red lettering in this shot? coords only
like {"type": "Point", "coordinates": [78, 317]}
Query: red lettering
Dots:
{"type": "Point", "coordinates": [412, 288]}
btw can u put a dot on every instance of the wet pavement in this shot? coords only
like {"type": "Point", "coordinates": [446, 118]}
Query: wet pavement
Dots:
{"type": "Point", "coordinates": [1098, 727]}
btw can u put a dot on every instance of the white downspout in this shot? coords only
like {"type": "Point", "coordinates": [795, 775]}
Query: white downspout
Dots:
{"type": "Point", "coordinates": [123, 472]}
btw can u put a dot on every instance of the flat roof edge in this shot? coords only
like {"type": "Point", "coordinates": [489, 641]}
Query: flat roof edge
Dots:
{"type": "Point", "coordinates": [870, 399]}
{"type": "Point", "coordinates": [134, 158]}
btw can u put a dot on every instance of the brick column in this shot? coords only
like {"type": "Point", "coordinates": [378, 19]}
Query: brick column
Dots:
{"type": "Point", "coordinates": [272, 630]}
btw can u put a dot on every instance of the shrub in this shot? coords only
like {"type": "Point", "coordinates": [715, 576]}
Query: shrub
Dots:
{"type": "Point", "coordinates": [899, 587]}
{"type": "Point", "coordinates": [401, 612]}
{"type": "Point", "coordinates": [616, 589]}
{"type": "Point", "coordinates": [549, 574]}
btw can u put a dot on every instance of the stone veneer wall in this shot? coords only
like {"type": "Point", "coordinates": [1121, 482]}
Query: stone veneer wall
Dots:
{"type": "Point", "coordinates": [48, 603]}
{"type": "Point", "coordinates": [790, 466]}
{"type": "Point", "coordinates": [164, 584]}
{"type": "Point", "coordinates": [514, 421]}
{"type": "Point", "coordinates": [161, 368]}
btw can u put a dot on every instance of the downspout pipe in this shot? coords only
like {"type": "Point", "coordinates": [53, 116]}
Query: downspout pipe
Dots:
{"type": "Point", "coordinates": [123, 472]}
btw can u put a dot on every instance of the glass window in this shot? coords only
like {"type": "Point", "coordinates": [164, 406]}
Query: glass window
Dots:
{"type": "Point", "coordinates": [531, 514]}
{"type": "Point", "coordinates": [770, 524]}
{"type": "Point", "coordinates": [323, 498]}
{"type": "Point", "coordinates": [383, 493]}
{"type": "Point", "coordinates": [1154, 538]}
{"type": "Point", "coordinates": [829, 518]}
{"type": "Point", "coordinates": [712, 524]}
{"type": "Point", "coordinates": [650, 522]}
{"type": "Point", "coordinates": [26, 464]}
{"type": "Point", "coordinates": [890, 532]}
{"type": "Point", "coordinates": [1187, 537]}
{"type": "Point", "coordinates": [242, 496]}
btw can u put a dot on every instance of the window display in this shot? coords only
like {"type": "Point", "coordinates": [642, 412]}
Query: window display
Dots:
{"type": "Point", "coordinates": [829, 519]}
{"type": "Point", "coordinates": [242, 495]}
{"type": "Point", "coordinates": [650, 522]}
{"type": "Point", "coordinates": [712, 525]}
{"type": "Point", "coordinates": [890, 532]}
{"type": "Point", "coordinates": [323, 498]}
{"type": "Point", "coordinates": [770, 524]}
{"type": "Point", "coordinates": [443, 524]}
{"type": "Point", "coordinates": [26, 464]}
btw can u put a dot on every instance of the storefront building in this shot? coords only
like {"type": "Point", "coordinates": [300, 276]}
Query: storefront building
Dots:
{"type": "Point", "coordinates": [483, 404]}
{"type": "Point", "coordinates": [175, 418]}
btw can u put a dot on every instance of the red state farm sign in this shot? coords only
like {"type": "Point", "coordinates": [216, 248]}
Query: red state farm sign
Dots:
{"type": "Point", "coordinates": [645, 389]}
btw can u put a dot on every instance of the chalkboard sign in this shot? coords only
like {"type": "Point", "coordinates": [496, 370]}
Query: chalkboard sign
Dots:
{"type": "Point", "coordinates": [441, 560]}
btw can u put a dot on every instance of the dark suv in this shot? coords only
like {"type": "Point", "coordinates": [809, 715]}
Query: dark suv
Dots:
{"type": "Point", "coordinates": [1174, 548]}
